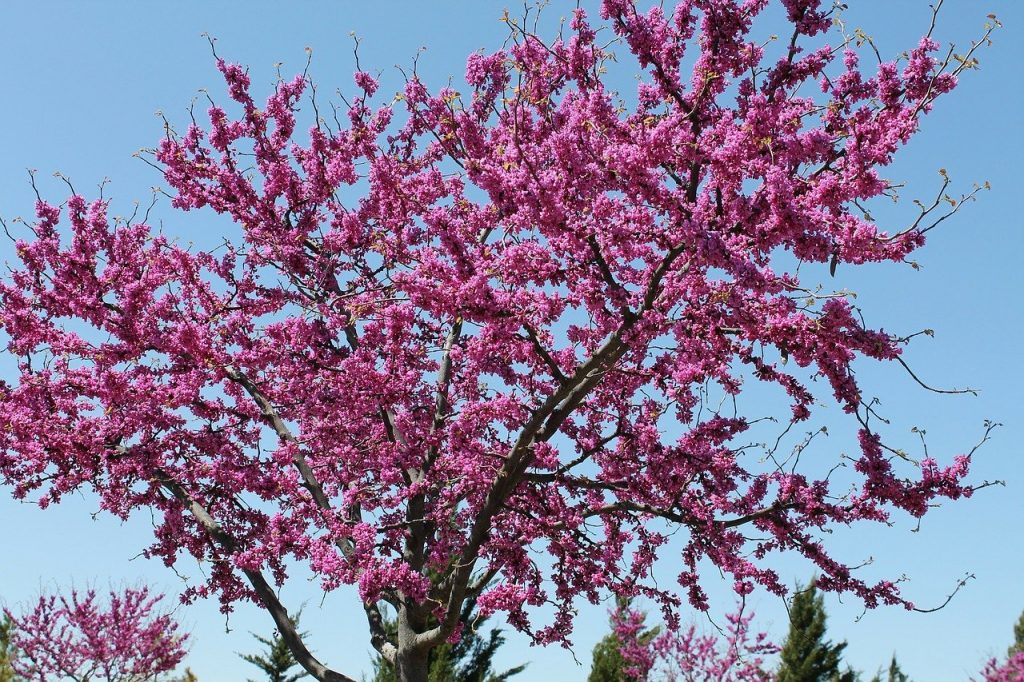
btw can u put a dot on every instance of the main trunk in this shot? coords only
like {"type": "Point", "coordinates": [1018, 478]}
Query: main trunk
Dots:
{"type": "Point", "coordinates": [412, 663]}
{"type": "Point", "coordinates": [412, 666]}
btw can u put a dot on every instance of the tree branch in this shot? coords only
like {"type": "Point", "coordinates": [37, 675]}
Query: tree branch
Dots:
{"type": "Point", "coordinates": [263, 590]}
{"type": "Point", "coordinates": [543, 424]}
{"type": "Point", "coordinates": [310, 482]}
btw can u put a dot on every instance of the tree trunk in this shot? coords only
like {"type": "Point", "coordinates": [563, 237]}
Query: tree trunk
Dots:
{"type": "Point", "coordinates": [412, 662]}
{"type": "Point", "coordinates": [412, 666]}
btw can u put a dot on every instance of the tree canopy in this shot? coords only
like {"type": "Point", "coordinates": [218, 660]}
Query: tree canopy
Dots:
{"type": "Point", "coordinates": [455, 326]}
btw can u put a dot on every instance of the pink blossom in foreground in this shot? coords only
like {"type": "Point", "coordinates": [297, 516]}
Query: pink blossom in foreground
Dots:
{"type": "Point", "coordinates": [79, 638]}
{"type": "Point", "coordinates": [451, 329]}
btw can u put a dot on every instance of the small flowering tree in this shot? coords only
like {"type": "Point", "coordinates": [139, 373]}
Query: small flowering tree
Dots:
{"type": "Point", "coordinates": [1010, 670]}
{"type": "Point", "coordinates": [687, 655]}
{"type": "Point", "coordinates": [456, 327]}
{"type": "Point", "coordinates": [78, 638]}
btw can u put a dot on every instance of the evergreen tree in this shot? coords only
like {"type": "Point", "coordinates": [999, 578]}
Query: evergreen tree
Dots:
{"type": "Point", "coordinates": [895, 673]}
{"type": "Point", "coordinates": [277, 661]}
{"type": "Point", "coordinates": [607, 663]}
{"type": "Point", "coordinates": [806, 656]}
{"type": "Point", "coordinates": [468, 660]}
{"type": "Point", "coordinates": [7, 651]}
{"type": "Point", "coordinates": [1018, 637]}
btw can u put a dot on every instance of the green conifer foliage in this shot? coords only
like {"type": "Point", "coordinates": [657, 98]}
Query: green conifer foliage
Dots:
{"type": "Point", "coordinates": [277, 660]}
{"type": "Point", "coordinates": [6, 651]}
{"type": "Point", "coordinates": [607, 664]}
{"type": "Point", "coordinates": [806, 655]}
{"type": "Point", "coordinates": [894, 674]}
{"type": "Point", "coordinates": [1018, 637]}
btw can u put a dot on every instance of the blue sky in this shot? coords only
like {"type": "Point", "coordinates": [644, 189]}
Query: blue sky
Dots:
{"type": "Point", "coordinates": [83, 79]}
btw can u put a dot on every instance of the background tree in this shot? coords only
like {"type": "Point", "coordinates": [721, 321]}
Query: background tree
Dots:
{"type": "Point", "coordinates": [1018, 637]}
{"type": "Point", "coordinates": [806, 656]}
{"type": "Point", "coordinates": [893, 674]}
{"type": "Point", "coordinates": [734, 654]}
{"type": "Point", "coordinates": [77, 638]}
{"type": "Point", "coordinates": [470, 659]}
{"type": "Point", "coordinates": [518, 336]}
{"type": "Point", "coordinates": [277, 661]}
{"type": "Point", "coordinates": [7, 650]}
{"type": "Point", "coordinates": [627, 625]}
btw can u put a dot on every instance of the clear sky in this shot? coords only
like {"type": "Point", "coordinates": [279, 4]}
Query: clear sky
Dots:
{"type": "Point", "coordinates": [82, 79]}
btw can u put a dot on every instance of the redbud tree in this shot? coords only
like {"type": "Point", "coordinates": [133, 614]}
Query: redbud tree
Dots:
{"type": "Point", "coordinates": [79, 638]}
{"type": "Point", "coordinates": [458, 327]}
